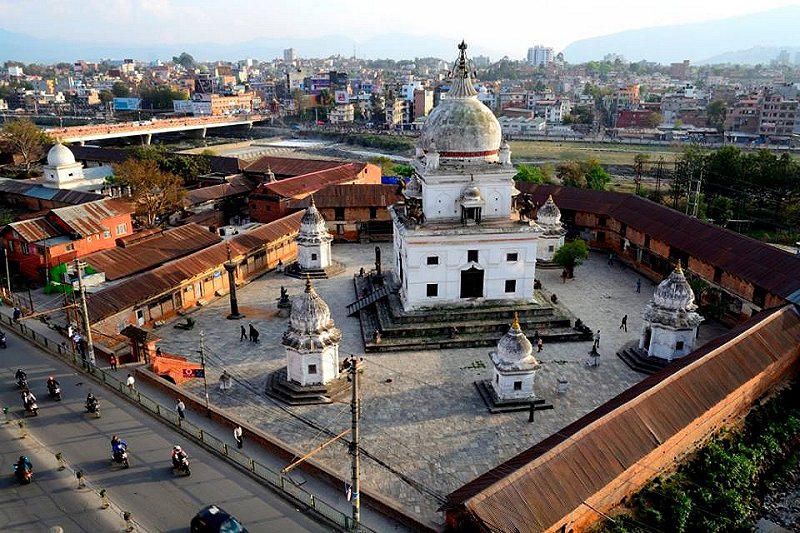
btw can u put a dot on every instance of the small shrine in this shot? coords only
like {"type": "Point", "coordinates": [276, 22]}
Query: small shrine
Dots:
{"type": "Point", "coordinates": [313, 373]}
{"type": "Point", "coordinates": [313, 248]}
{"type": "Point", "coordinates": [552, 238]}
{"type": "Point", "coordinates": [511, 385]}
{"type": "Point", "coordinates": [670, 321]}
{"type": "Point", "coordinates": [62, 171]}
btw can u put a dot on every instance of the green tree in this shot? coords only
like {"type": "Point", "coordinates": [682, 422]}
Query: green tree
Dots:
{"type": "Point", "coordinates": [571, 174]}
{"type": "Point", "coordinates": [529, 173]}
{"type": "Point", "coordinates": [106, 97]}
{"type": "Point", "coordinates": [154, 192]}
{"type": "Point", "coordinates": [715, 113]}
{"type": "Point", "coordinates": [120, 90]}
{"type": "Point", "coordinates": [571, 254]}
{"type": "Point", "coordinates": [160, 97]}
{"type": "Point", "coordinates": [405, 171]}
{"type": "Point", "coordinates": [26, 139]}
{"type": "Point", "coordinates": [654, 120]}
{"type": "Point", "coordinates": [386, 164]}
{"type": "Point", "coordinates": [596, 176]}
{"type": "Point", "coordinates": [185, 60]}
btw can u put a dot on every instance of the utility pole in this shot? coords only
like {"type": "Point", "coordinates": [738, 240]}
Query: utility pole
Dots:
{"type": "Point", "coordinates": [203, 366]}
{"type": "Point", "coordinates": [8, 276]}
{"type": "Point", "coordinates": [355, 408]}
{"type": "Point", "coordinates": [87, 327]}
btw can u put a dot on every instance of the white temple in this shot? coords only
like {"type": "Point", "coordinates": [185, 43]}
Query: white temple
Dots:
{"type": "Point", "coordinates": [313, 241]}
{"type": "Point", "coordinates": [514, 366]}
{"type": "Point", "coordinates": [63, 172]}
{"type": "Point", "coordinates": [311, 341]}
{"type": "Point", "coordinates": [552, 238]}
{"type": "Point", "coordinates": [670, 321]}
{"type": "Point", "coordinates": [457, 240]}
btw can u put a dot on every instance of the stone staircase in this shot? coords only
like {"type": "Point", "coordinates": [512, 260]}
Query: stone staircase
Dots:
{"type": "Point", "coordinates": [453, 327]}
{"type": "Point", "coordinates": [294, 271]}
{"type": "Point", "coordinates": [291, 393]}
{"type": "Point", "coordinates": [638, 360]}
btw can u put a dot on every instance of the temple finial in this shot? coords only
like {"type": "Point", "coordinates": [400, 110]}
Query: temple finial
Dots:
{"type": "Point", "coordinates": [312, 201]}
{"type": "Point", "coordinates": [308, 283]}
{"type": "Point", "coordinates": [678, 268]}
{"type": "Point", "coordinates": [515, 323]}
{"type": "Point", "coordinates": [549, 197]}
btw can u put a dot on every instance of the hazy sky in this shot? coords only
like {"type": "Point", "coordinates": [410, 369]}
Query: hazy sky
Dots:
{"type": "Point", "coordinates": [509, 27]}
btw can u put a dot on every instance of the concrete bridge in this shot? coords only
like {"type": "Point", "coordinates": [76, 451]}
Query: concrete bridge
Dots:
{"type": "Point", "coordinates": [146, 129]}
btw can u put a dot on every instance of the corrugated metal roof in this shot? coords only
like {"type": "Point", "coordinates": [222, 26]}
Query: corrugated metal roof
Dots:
{"type": "Point", "coordinates": [226, 165]}
{"type": "Point", "coordinates": [237, 185]}
{"type": "Point", "coordinates": [537, 488]}
{"type": "Point", "coordinates": [35, 190]}
{"type": "Point", "coordinates": [66, 196]}
{"type": "Point", "coordinates": [140, 256]}
{"type": "Point", "coordinates": [15, 186]}
{"type": "Point", "coordinates": [775, 270]}
{"type": "Point", "coordinates": [142, 287]}
{"type": "Point", "coordinates": [88, 219]}
{"type": "Point", "coordinates": [290, 167]}
{"type": "Point", "coordinates": [353, 195]}
{"type": "Point", "coordinates": [35, 229]}
{"type": "Point", "coordinates": [43, 193]}
{"type": "Point", "coordinates": [301, 186]}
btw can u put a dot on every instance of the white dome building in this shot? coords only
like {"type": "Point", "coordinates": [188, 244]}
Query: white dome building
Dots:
{"type": "Point", "coordinates": [514, 366]}
{"type": "Point", "coordinates": [311, 341]}
{"type": "Point", "coordinates": [670, 321]}
{"type": "Point", "coordinates": [552, 238]}
{"type": "Point", "coordinates": [63, 172]}
{"type": "Point", "coordinates": [313, 241]}
{"type": "Point", "coordinates": [457, 240]}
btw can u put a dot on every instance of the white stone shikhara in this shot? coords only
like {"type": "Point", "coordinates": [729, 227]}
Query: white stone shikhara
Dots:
{"type": "Point", "coordinates": [552, 238]}
{"type": "Point", "coordinates": [311, 341]}
{"type": "Point", "coordinates": [670, 320]}
{"type": "Point", "coordinates": [514, 366]}
{"type": "Point", "coordinates": [313, 240]}
{"type": "Point", "coordinates": [457, 229]}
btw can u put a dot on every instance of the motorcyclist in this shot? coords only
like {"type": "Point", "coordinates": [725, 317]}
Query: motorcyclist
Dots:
{"type": "Point", "coordinates": [22, 465]}
{"type": "Point", "coordinates": [20, 376]}
{"type": "Point", "coordinates": [178, 456]}
{"type": "Point", "coordinates": [52, 385]}
{"type": "Point", "coordinates": [91, 402]}
{"type": "Point", "coordinates": [28, 399]}
{"type": "Point", "coordinates": [118, 446]}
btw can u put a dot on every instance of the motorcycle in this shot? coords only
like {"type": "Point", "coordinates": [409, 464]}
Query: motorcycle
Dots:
{"type": "Point", "coordinates": [32, 408]}
{"type": "Point", "coordinates": [93, 407]}
{"type": "Point", "coordinates": [23, 475]}
{"type": "Point", "coordinates": [22, 383]}
{"type": "Point", "coordinates": [3, 344]}
{"type": "Point", "coordinates": [181, 466]}
{"type": "Point", "coordinates": [120, 455]}
{"type": "Point", "coordinates": [54, 392]}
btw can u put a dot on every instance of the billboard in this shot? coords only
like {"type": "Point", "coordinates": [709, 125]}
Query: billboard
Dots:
{"type": "Point", "coordinates": [127, 104]}
{"type": "Point", "coordinates": [342, 97]}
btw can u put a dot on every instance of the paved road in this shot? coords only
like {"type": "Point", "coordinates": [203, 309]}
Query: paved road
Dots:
{"type": "Point", "coordinates": [158, 500]}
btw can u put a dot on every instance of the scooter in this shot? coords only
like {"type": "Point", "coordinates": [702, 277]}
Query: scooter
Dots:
{"type": "Point", "coordinates": [24, 475]}
{"type": "Point", "coordinates": [94, 407]}
{"type": "Point", "coordinates": [55, 392]}
{"type": "Point", "coordinates": [32, 408]}
{"type": "Point", "coordinates": [120, 455]}
{"type": "Point", "coordinates": [22, 383]}
{"type": "Point", "coordinates": [181, 467]}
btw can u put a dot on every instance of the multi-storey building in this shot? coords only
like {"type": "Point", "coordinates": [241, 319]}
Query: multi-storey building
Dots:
{"type": "Point", "coordinates": [778, 114]}
{"type": "Point", "coordinates": [540, 55]}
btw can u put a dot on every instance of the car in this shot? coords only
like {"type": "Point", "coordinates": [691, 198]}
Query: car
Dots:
{"type": "Point", "coordinates": [212, 519]}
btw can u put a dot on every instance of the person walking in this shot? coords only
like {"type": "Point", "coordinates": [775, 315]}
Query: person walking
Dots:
{"type": "Point", "coordinates": [540, 345]}
{"type": "Point", "coordinates": [639, 285]}
{"type": "Point", "coordinates": [131, 383]}
{"type": "Point", "coordinates": [242, 333]}
{"type": "Point", "coordinates": [180, 407]}
{"type": "Point", "coordinates": [113, 362]}
{"type": "Point", "coordinates": [252, 332]}
{"type": "Point", "coordinates": [237, 436]}
{"type": "Point", "coordinates": [624, 325]}
{"type": "Point", "coordinates": [596, 340]}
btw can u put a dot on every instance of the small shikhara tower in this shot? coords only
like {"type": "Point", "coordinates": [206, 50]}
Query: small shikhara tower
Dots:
{"type": "Point", "coordinates": [514, 366]}
{"type": "Point", "coordinates": [311, 341]}
{"type": "Point", "coordinates": [670, 321]}
{"type": "Point", "coordinates": [552, 238]}
{"type": "Point", "coordinates": [457, 239]}
{"type": "Point", "coordinates": [313, 241]}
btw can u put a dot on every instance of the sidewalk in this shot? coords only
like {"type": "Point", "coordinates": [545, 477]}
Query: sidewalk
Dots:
{"type": "Point", "coordinates": [322, 491]}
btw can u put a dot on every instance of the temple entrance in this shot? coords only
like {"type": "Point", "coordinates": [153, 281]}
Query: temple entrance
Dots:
{"type": "Point", "coordinates": [648, 333]}
{"type": "Point", "coordinates": [472, 283]}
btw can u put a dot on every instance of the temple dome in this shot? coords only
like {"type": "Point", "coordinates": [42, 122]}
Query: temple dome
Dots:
{"type": "Point", "coordinates": [461, 126]}
{"type": "Point", "coordinates": [675, 293]}
{"type": "Point", "coordinates": [312, 226]}
{"type": "Point", "coordinates": [59, 156]}
{"type": "Point", "coordinates": [472, 193]}
{"type": "Point", "coordinates": [310, 323]}
{"type": "Point", "coordinates": [549, 214]}
{"type": "Point", "coordinates": [514, 350]}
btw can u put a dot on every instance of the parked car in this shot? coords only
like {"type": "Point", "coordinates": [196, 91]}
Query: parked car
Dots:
{"type": "Point", "coordinates": [212, 519]}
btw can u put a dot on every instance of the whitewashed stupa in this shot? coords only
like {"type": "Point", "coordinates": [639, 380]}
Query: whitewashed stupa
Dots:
{"type": "Point", "coordinates": [670, 321]}
{"type": "Point", "coordinates": [552, 238]}
{"type": "Point", "coordinates": [457, 240]}
{"type": "Point", "coordinates": [514, 366]}
{"type": "Point", "coordinates": [311, 341]}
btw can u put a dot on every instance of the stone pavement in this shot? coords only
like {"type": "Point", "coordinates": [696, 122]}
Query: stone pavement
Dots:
{"type": "Point", "coordinates": [424, 425]}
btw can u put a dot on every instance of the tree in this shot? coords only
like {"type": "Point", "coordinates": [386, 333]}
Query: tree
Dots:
{"type": "Point", "coordinates": [654, 120]}
{"type": "Point", "coordinates": [27, 140]}
{"type": "Point", "coordinates": [529, 174]}
{"type": "Point", "coordinates": [120, 90]}
{"type": "Point", "coordinates": [386, 164]}
{"type": "Point", "coordinates": [596, 176]}
{"type": "Point", "coordinates": [185, 60]}
{"type": "Point", "coordinates": [161, 97]}
{"type": "Point", "coordinates": [405, 171]}
{"type": "Point", "coordinates": [106, 96]}
{"type": "Point", "coordinates": [571, 254]}
{"type": "Point", "coordinates": [154, 192]}
{"type": "Point", "coordinates": [716, 112]}
{"type": "Point", "coordinates": [571, 174]}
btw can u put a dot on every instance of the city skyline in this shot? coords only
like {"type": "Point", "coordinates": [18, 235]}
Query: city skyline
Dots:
{"type": "Point", "coordinates": [181, 22]}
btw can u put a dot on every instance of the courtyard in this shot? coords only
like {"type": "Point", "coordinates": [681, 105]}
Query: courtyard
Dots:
{"type": "Point", "coordinates": [425, 430]}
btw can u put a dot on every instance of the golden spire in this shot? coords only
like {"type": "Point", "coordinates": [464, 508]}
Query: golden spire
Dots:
{"type": "Point", "coordinates": [550, 198]}
{"type": "Point", "coordinates": [678, 268]}
{"type": "Point", "coordinates": [515, 323]}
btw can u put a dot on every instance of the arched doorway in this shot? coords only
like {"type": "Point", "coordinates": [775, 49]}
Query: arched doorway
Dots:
{"type": "Point", "coordinates": [472, 283]}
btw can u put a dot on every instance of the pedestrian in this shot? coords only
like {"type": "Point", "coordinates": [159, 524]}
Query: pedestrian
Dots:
{"type": "Point", "coordinates": [255, 335]}
{"type": "Point", "coordinates": [564, 275]}
{"type": "Point", "coordinates": [113, 362]}
{"type": "Point", "coordinates": [624, 325]}
{"type": "Point", "coordinates": [17, 314]}
{"type": "Point", "coordinates": [181, 409]}
{"type": "Point", "coordinates": [252, 333]}
{"type": "Point", "coordinates": [596, 339]}
{"type": "Point", "coordinates": [611, 259]}
{"type": "Point", "coordinates": [131, 383]}
{"type": "Point", "coordinates": [242, 333]}
{"type": "Point", "coordinates": [639, 285]}
{"type": "Point", "coordinates": [158, 350]}
{"type": "Point", "coordinates": [237, 436]}
{"type": "Point", "coordinates": [540, 344]}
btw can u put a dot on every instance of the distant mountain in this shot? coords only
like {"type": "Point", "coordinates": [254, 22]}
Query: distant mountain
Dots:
{"type": "Point", "coordinates": [29, 49]}
{"type": "Point", "coordinates": [752, 56]}
{"type": "Point", "coordinates": [696, 42]}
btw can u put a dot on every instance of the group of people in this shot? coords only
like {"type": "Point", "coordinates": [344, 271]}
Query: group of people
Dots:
{"type": "Point", "coordinates": [243, 333]}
